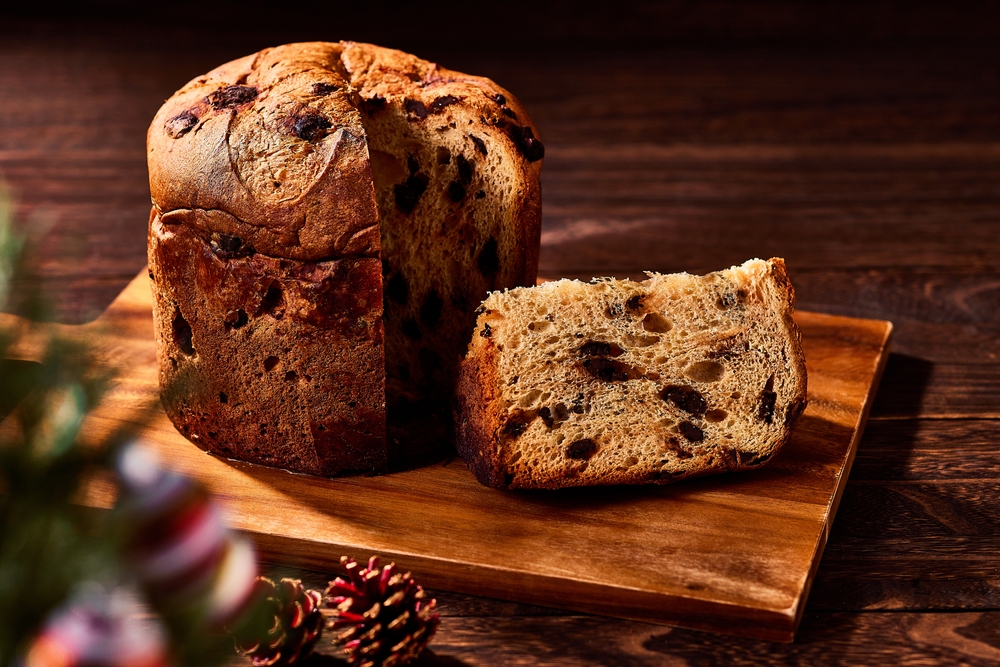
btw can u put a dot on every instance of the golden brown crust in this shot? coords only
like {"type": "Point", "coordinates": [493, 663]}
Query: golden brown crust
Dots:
{"type": "Point", "coordinates": [265, 164]}
{"type": "Point", "coordinates": [478, 412]}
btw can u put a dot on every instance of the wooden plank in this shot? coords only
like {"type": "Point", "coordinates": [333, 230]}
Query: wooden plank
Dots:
{"type": "Point", "coordinates": [733, 553]}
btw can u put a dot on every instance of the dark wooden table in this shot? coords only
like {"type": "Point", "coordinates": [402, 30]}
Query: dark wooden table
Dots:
{"type": "Point", "coordinates": [863, 149]}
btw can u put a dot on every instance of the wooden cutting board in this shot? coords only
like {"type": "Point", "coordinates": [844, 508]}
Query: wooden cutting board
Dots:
{"type": "Point", "coordinates": [734, 553]}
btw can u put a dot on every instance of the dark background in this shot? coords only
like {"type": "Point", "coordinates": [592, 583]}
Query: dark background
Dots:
{"type": "Point", "coordinates": [860, 141]}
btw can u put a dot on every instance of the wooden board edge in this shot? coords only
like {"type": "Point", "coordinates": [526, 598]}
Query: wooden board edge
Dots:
{"type": "Point", "coordinates": [845, 472]}
{"type": "Point", "coordinates": [513, 586]}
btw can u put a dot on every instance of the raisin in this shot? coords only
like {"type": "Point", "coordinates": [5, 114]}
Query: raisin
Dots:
{"type": "Point", "coordinates": [486, 333]}
{"type": "Point", "coordinates": [398, 289]}
{"type": "Point", "coordinates": [517, 424]}
{"type": "Point", "coordinates": [480, 144]}
{"type": "Point", "coordinates": [729, 457]}
{"type": "Point", "coordinates": [273, 302]}
{"type": "Point", "coordinates": [607, 370]}
{"type": "Point", "coordinates": [687, 399]}
{"type": "Point", "coordinates": [228, 246]}
{"type": "Point", "coordinates": [546, 415]}
{"type": "Point", "coordinates": [456, 191]}
{"type": "Point", "coordinates": [430, 312]}
{"type": "Point", "coordinates": [408, 192]}
{"type": "Point", "coordinates": [416, 108]}
{"type": "Point", "coordinates": [675, 446]}
{"type": "Point", "coordinates": [223, 397]}
{"type": "Point", "coordinates": [412, 329]}
{"type": "Point", "coordinates": [180, 124]}
{"type": "Point", "coordinates": [634, 302]}
{"type": "Point", "coordinates": [765, 407]}
{"type": "Point", "coordinates": [561, 412]}
{"type": "Point", "coordinates": [232, 96]}
{"type": "Point", "coordinates": [291, 376]}
{"type": "Point", "coordinates": [488, 261]}
{"type": "Point", "coordinates": [581, 450]}
{"type": "Point", "coordinates": [323, 89]}
{"type": "Point", "coordinates": [600, 349]}
{"type": "Point", "coordinates": [236, 320]}
{"type": "Point", "coordinates": [691, 432]}
{"type": "Point", "coordinates": [183, 334]}
{"type": "Point", "coordinates": [441, 102]}
{"type": "Point", "coordinates": [530, 147]}
{"type": "Point", "coordinates": [507, 111]}
{"type": "Point", "coordinates": [578, 404]}
{"type": "Point", "coordinates": [464, 170]}
{"type": "Point", "coordinates": [310, 126]}
{"type": "Point", "coordinates": [373, 105]}
{"type": "Point", "coordinates": [499, 99]}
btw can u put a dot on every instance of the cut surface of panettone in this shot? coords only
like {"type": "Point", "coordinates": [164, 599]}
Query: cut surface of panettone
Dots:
{"type": "Point", "coordinates": [622, 382]}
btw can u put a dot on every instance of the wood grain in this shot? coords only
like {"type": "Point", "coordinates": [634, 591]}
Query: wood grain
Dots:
{"type": "Point", "coordinates": [732, 553]}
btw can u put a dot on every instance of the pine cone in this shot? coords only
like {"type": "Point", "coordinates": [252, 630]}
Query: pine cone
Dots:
{"type": "Point", "coordinates": [296, 624]}
{"type": "Point", "coordinates": [387, 617]}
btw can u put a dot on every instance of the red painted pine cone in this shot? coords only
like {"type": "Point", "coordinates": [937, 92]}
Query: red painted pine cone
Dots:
{"type": "Point", "coordinates": [297, 624]}
{"type": "Point", "coordinates": [385, 617]}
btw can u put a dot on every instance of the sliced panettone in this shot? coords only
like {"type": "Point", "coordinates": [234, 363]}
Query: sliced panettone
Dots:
{"type": "Point", "coordinates": [622, 382]}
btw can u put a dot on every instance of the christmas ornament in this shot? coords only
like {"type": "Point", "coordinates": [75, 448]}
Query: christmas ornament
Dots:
{"type": "Point", "coordinates": [385, 616]}
{"type": "Point", "coordinates": [179, 547]}
{"type": "Point", "coordinates": [294, 624]}
{"type": "Point", "coordinates": [99, 627]}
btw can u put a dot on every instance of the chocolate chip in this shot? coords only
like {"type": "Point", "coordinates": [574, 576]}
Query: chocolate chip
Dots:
{"type": "Point", "coordinates": [530, 147]}
{"type": "Point", "coordinates": [546, 415]}
{"type": "Point", "coordinates": [180, 124]}
{"type": "Point", "coordinates": [600, 349]}
{"type": "Point", "coordinates": [635, 302]}
{"type": "Point", "coordinates": [507, 111]}
{"type": "Point", "coordinates": [581, 450]}
{"type": "Point", "coordinates": [481, 194]}
{"type": "Point", "coordinates": [398, 289]}
{"type": "Point", "coordinates": [486, 333]}
{"type": "Point", "coordinates": [430, 312]}
{"type": "Point", "coordinates": [488, 261]}
{"type": "Point", "coordinates": [687, 399]}
{"type": "Point", "coordinates": [408, 192]}
{"type": "Point", "coordinates": [609, 370]}
{"type": "Point", "coordinates": [412, 329]}
{"type": "Point", "coordinates": [765, 406]}
{"type": "Point", "coordinates": [480, 144]}
{"type": "Point", "coordinates": [441, 102]}
{"type": "Point", "coordinates": [322, 89]}
{"type": "Point", "coordinates": [416, 109]}
{"type": "Point", "coordinates": [691, 432]}
{"type": "Point", "coordinates": [456, 191]}
{"type": "Point", "coordinates": [232, 96]}
{"type": "Point", "coordinates": [183, 335]}
{"type": "Point", "coordinates": [310, 126]}
{"type": "Point", "coordinates": [464, 170]}
{"type": "Point", "coordinates": [499, 99]}
{"type": "Point", "coordinates": [236, 320]}
{"type": "Point", "coordinates": [373, 105]}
